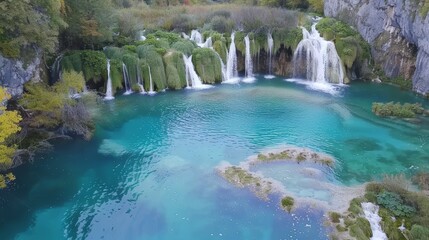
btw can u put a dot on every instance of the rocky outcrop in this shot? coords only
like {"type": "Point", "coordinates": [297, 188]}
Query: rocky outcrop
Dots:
{"type": "Point", "coordinates": [397, 32]}
{"type": "Point", "coordinates": [15, 73]}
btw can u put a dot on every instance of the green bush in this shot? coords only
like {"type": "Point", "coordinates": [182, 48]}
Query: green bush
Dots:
{"type": "Point", "coordinates": [406, 110]}
{"type": "Point", "coordinates": [361, 229]}
{"type": "Point", "coordinates": [72, 62]}
{"type": "Point", "coordinates": [131, 63]}
{"type": "Point", "coordinates": [221, 49]}
{"type": "Point", "coordinates": [207, 65]}
{"type": "Point", "coordinates": [395, 204]}
{"type": "Point", "coordinates": [335, 217]}
{"type": "Point", "coordinates": [287, 203]}
{"type": "Point", "coordinates": [184, 46]}
{"type": "Point", "coordinates": [153, 60]}
{"type": "Point", "coordinates": [113, 52]}
{"type": "Point", "coordinates": [419, 233]}
{"type": "Point", "coordinates": [116, 74]}
{"type": "Point", "coordinates": [175, 70]}
{"type": "Point", "coordinates": [94, 65]}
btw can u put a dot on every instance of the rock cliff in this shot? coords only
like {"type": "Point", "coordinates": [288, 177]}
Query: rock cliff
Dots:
{"type": "Point", "coordinates": [397, 31]}
{"type": "Point", "coordinates": [14, 73]}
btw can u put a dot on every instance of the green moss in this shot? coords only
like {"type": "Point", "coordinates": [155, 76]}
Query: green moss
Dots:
{"type": "Point", "coordinates": [72, 62]}
{"type": "Point", "coordinates": [355, 206]}
{"type": "Point", "coordinates": [207, 65]}
{"type": "Point", "coordinates": [94, 65]}
{"type": "Point", "coordinates": [175, 70]}
{"type": "Point", "coordinates": [116, 74]}
{"type": "Point", "coordinates": [131, 62]}
{"type": "Point", "coordinates": [234, 174]}
{"type": "Point", "coordinates": [113, 52]}
{"type": "Point", "coordinates": [361, 229]}
{"type": "Point", "coordinates": [221, 49]}
{"type": "Point", "coordinates": [288, 37]}
{"type": "Point", "coordinates": [334, 217]}
{"type": "Point", "coordinates": [341, 228]}
{"type": "Point", "coordinates": [288, 203]}
{"type": "Point", "coordinates": [154, 61]}
{"type": "Point", "coordinates": [419, 232]}
{"type": "Point", "coordinates": [9, 49]}
{"type": "Point", "coordinates": [184, 46]}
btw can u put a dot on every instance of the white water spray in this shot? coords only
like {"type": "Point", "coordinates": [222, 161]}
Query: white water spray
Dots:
{"type": "Point", "coordinates": [140, 80]}
{"type": "Point", "coordinates": [126, 80]}
{"type": "Point", "coordinates": [231, 63]}
{"type": "Point", "coordinates": [371, 214]}
{"type": "Point", "coordinates": [270, 43]}
{"type": "Point", "coordinates": [316, 59]}
{"type": "Point", "coordinates": [196, 37]}
{"type": "Point", "coordinates": [192, 76]}
{"type": "Point", "coordinates": [151, 90]}
{"type": "Point", "coordinates": [248, 62]}
{"type": "Point", "coordinates": [109, 92]}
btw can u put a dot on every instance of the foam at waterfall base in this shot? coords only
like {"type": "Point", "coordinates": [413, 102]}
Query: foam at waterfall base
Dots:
{"type": "Point", "coordinates": [202, 86]}
{"type": "Point", "coordinates": [128, 92]}
{"type": "Point", "coordinates": [235, 80]}
{"type": "Point", "coordinates": [333, 89]}
{"type": "Point", "coordinates": [249, 79]}
{"type": "Point", "coordinates": [109, 98]}
{"type": "Point", "coordinates": [151, 93]}
{"type": "Point", "coordinates": [269, 76]}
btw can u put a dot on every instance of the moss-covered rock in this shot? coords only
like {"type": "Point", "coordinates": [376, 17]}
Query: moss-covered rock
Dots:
{"type": "Point", "coordinates": [116, 74]}
{"type": "Point", "coordinates": [287, 203]}
{"type": "Point", "coordinates": [175, 70]}
{"type": "Point", "coordinates": [221, 48]}
{"type": "Point", "coordinates": [184, 46]}
{"type": "Point", "coordinates": [287, 37]}
{"type": "Point", "coordinates": [154, 60]}
{"type": "Point", "coordinates": [131, 63]}
{"type": "Point", "coordinates": [94, 65]}
{"type": "Point", "coordinates": [207, 65]}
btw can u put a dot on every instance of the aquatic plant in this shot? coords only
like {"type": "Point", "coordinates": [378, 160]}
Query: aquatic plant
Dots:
{"type": "Point", "coordinates": [406, 110]}
{"type": "Point", "coordinates": [287, 203]}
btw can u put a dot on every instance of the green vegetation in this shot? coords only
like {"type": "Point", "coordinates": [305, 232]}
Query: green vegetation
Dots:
{"type": "Point", "coordinates": [351, 47]}
{"type": "Point", "coordinates": [9, 126]}
{"type": "Point", "coordinates": [394, 203]}
{"type": "Point", "coordinates": [334, 217]}
{"type": "Point", "coordinates": [175, 70]}
{"type": "Point", "coordinates": [296, 154]}
{"type": "Point", "coordinates": [406, 110]}
{"type": "Point", "coordinates": [288, 203]}
{"type": "Point", "coordinates": [207, 65]}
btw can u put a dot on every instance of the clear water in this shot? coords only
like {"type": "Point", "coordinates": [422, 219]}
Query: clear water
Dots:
{"type": "Point", "coordinates": [148, 173]}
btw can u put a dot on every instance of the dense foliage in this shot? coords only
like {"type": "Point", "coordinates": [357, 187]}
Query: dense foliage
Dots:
{"type": "Point", "coordinates": [406, 110]}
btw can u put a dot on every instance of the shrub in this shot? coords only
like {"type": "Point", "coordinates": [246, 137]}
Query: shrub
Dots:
{"type": "Point", "coordinates": [94, 65]}
{"type": "Point", "coordinates": [184, 46]}
{"type": "Point", "coordinates": [406, 110]}
{"type": "Point", "coordinates": [287, 203]}
{"type": "Point", "coordinates": [175, 70]}
{"type": "Point", "coordinates": [395, 204]}
{"type": "Point", "coordinates": [419, 232]}
{"type": "Point", "coordinates": [207, 65]}
{"type": "Point", "coordinates": [335, 217]}
{"type": "Point", "coordinates": [422, 180]}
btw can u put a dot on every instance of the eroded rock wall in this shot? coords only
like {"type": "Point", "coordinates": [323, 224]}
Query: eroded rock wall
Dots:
{"type": "Point", "coordinates": [397, 32]}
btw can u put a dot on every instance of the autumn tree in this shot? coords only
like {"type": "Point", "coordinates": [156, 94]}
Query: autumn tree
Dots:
{"type": "Point", "coordinates": [9, 126]}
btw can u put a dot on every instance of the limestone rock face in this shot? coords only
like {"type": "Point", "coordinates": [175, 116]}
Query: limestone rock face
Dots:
{"type": "Point", "coordinates": [14, 73]}
{"type": "Point", "coordinates": [397, 32]}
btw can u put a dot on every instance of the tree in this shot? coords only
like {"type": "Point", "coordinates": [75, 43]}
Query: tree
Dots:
{"type": "Point", "coordinates": [9, 126]}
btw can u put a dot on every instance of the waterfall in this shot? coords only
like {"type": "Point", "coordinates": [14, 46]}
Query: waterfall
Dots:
{"type": "Point", "coordinates": [56, 69]}
{"type": "Point", "coordinates": [316, 59]}
{"type": "Point", "coordinates": [231, 63]}
{"type": "Point", "coordinates": [192, 76]}
{"type": "Point", "coordinates": [140, 80]}
{"type": "Point", "coordinates": [207, 44]}
{"type": "Point", "coordinates": [371, 214]}
{"type": "Point", "coordinates": [223, 67]}
{"type": "Point", "coordinates": [248, 62]}
{"type": "Point", "coordinates": [185, 36]}
{"type": "Point", "coordinates": [196, 37]}
{"type": "Point", "coordinates": [126, 80]}
{"type": "Point", "coordinates": [109, 92]}
{"type": "Point", "coordinates": [151, 90]}
{"type": "Point", "coordinates": [270, 42]}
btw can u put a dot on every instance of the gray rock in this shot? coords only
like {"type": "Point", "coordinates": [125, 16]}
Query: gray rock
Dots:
{"type": "Point", "coordinates": [397, 33]}
{"type": "Point", "coordinates": [14, 74]}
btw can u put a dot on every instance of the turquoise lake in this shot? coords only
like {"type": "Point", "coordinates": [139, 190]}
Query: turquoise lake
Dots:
{"type": "Point", "coordinates": [149, 171]}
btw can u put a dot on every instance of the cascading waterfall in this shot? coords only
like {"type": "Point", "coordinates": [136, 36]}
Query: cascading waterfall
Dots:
{"type": "Point", "coordinates": [231, 63]}
{"type": "Point", "coordinates": [56, 69]}
{"type": "Point", "coordinates": [126, 80]}
{"type": "Point", "coordinates": [208, 43]}
{"type": "Point", "coordinates": [192, 76]}
{"type": "Point", "coordinates": [371, 214]}
{"type": "Point", "coordinates": [109, 92]}
{"type": "Point", "coordinates": [270, 42]}
{"type": "Point", "coordinates": [316, 59]}
{"type": "Point", "coordinates": [140, 80]}
{"type": "Point", "coordinates": [196, 37]}
{"type": "Point", "coordinates": [151, 90]}
{"type": "Point", "coordinates": [223, 67]}
{"type": "Point", "coordinates": [248, 62]}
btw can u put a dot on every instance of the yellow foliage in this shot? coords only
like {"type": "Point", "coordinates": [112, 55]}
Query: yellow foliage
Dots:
{"type": "Point", "coordinates": [71, 82]}
{"type": "Point", "coordinates": [4, 179]}
{"type": "Point", "coordinates": [9, 125]}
